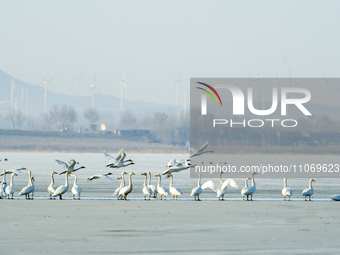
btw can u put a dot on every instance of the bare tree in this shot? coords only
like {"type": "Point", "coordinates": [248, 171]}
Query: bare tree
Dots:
{"type": "Point", "coordinates": [159, 124]}
{"type": "Point", "coordinates": [72, 116]}
{"type": "Point", "coordinates": [127, 119]}
{"type": "Point", "coordinates": [31, 123]}
{"type": "Point", "coordinates": [53, 117]}
{"type": "Point", "coordinates": [91, 115]}
{"type": "Point", "coordinates": [20, 118]}
{"type": "Point", "coordinates": [146, 121]}
{"type": "Point", "coordinates": [63, 117]}
{"type": "Point", "coordinates": [11, 117]}
{"type": "Point", "coordinates": [68, 116]}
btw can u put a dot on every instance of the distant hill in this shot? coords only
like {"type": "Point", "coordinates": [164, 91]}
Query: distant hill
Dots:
{"type": "Point", "coordinates": [31, 97]}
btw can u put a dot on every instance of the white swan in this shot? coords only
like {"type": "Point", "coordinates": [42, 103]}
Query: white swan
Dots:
{"type": "Point", "coordinates": [249, 191]}
{"type": "Point", "coordinates": [115, 160]}
{"type": "Point", "coordinates": [76, 190]}
{"type": "Point", "coordinates": [199, 152]}
{"type": "Point", "coordinates": [160, 190]}
{"type": "Point", "coordinates": [10, 189]}
{"type": "Point", "coordinates": [174, 191]}
{"type": "Point", "coordinates": [171, 163]}
{"type": "Point", "coordinates": [220, 188]}
{"type": "Point", "coordinates": [69, 168]}
{"type": "Point", "coordinates": [11, 171]}
{"type": "Point", "coordinates": [62, 189]}
{"type": "Point", "coordinates": [286, 192]}
{"type": "Point", "coordinates": [308, 192]}
{"type": "Point", "coordinates": [97, 176]}
{"type": "Point", "coordinates": [51, 188]}
{"type": "Point", "coordinates": [152, 187]}
{"type": "Point", "coordinates": [127, 189]}
{"type": "Point", "coordinates": [244, 190]}
{"type": "Point", "coordinates": [29, 188]}
{"type": "Point", "coordinates": [146, 189]}
{"type": "Point", "coordinates": [195, 192]}
{"type": "Point", "coordinates": [122, 184]}
{"type": "Point", "coordinates": [180, 166]}
{"type": "Point", "coordinates": [111, 158]}
{"type": "Point", "coordinates": [3, 184]}
{"type": "Point", "coordinates": [174, 162]}
{"type": "Point", "coordinates": [121, 162]}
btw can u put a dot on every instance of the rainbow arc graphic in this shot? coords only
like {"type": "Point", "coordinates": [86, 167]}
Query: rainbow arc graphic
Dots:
{"type": "Point", "coordinates": [209, 93]}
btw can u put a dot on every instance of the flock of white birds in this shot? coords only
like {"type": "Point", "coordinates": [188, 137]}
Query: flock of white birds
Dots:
{"type": "Point", "coordinates": [149, 191]}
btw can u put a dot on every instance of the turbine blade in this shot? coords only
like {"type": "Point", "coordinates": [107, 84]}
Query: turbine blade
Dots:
{"type": "Point", "coordinates": [98, 89]}
{"type": "Point", "coordinates": [81, 75]}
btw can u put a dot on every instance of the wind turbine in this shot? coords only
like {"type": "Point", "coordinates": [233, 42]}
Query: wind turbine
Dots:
{"type": "Point", "coordinates": [122, 85]}
{"type": "Point", "coordinates": [323, 89]}
{"type": "Point", "coordinates": [45, 84]}
{"type": "Point", "coordinates": [276, 82]}
{"type": "Point", "coordinates": [185, 101]}
{"type": "Point", "coordinates": [77, 83]}
{"type": "Point", "coordinates": [176, 84]}
{"type": "Point", "coordinates": [12, 94]}
{"type": "Point", "coordinates": [26, 94]}
{"type": "Point", "coordinates": [93, 88]}
{"type": "Point", "coordinates": [173, 91]}
{"type": "Point", "coordinates": [22, 99]}
{"type": "Point", "coordinates": [247, 82]}
{"type": "Point", "coordinates": [257, 79]}
{"type": "Point", "coordinates": [333, 94]}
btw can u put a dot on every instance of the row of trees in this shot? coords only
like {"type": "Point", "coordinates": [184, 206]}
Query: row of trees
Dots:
{"type": "Point", "coordinates": [16, 117]}
{"type": "Point", "coordinates": [57, 118]}
{"type": "Point", "coordinates": [62, 118]}
{"type": "Point", "coordinates": [202, 130]}
{"type": "Point", "coordinates": [65, 117]}
{"type": "Point", "coordinates": [166, 128]}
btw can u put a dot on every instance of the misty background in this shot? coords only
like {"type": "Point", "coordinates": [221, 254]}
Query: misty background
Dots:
{"type": "Point", "coordinates": [155, 47]}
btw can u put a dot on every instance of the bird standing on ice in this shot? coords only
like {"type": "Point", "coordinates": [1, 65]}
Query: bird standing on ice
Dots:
{"type": "Point", "coordinates": [127, 189]}
{"type": "Point", "coordinates": [249, 191]}
{"type": "Point", "coordinates": [286, 192]}
{"type": "Point", "coordinates": [220, 188]}
{"type": "Point", "coordinates": [198, 190]}
{"type": "Point", "coordinates": [308, 192]}
{"type": "Point", "coordinates": [51, 188]}
{"type": "Point", "coordinates": [76, 190]}
{"type": "Point", "coordinates": [29, 188]}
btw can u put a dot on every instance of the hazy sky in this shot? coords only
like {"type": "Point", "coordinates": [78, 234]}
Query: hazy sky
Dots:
{"type": "Point", "coordinates": [152, 40]}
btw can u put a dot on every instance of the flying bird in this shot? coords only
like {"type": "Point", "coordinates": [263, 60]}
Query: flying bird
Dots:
{"type": "Point", "coordinates": [199, 152]}
{"type": "Point", "coordinates": [69, 168]}
{"type": "Point", "coordinates": [121, 162]}
{"type": "Point", "coordinates": [97, 176]}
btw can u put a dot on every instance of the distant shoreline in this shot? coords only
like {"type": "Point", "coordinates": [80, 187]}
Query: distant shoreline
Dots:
{"type": "Point", "coordinates": [35, 141]}
{"type": "Point", "coordinates": [71, 142]}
